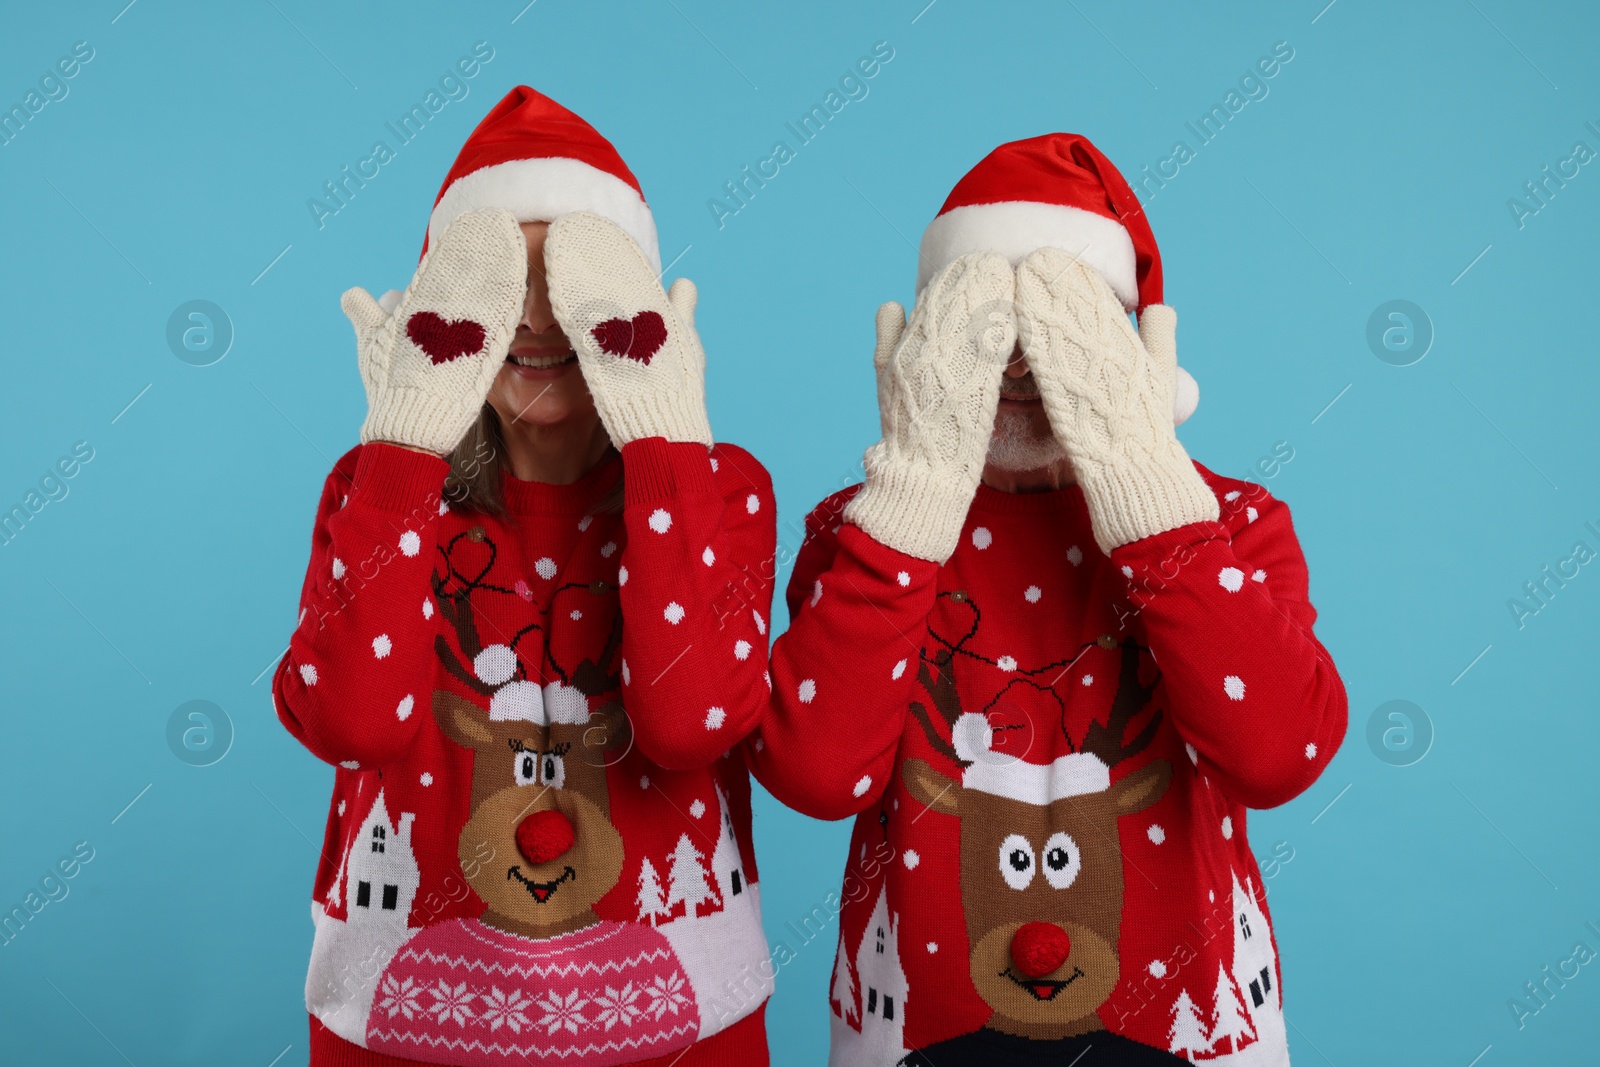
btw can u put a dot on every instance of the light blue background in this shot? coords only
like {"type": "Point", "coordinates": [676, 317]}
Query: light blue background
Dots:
{"type": "Point", "coordinates": [1378, 168]}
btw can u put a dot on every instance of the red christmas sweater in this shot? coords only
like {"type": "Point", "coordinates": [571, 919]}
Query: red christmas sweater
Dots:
{"type": "Point", "coordinates": [1050, 754]}
{"type": "Point", "coordinates": [538, 845]}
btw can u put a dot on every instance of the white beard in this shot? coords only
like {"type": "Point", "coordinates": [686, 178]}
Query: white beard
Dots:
{"type": "Point", "coordinates": [1015, 448]}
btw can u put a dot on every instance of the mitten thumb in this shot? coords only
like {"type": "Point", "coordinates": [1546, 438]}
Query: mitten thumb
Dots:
{"type": "Point", "coordinates": [683, 296]}
{"type": "Point", "coordinates": [362, 311]}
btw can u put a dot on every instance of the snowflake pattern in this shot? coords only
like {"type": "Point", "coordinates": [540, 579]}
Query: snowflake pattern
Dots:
{"type": "Point", "coordinates": [617, 1007]}
{"type": "Point", "coordinates": [563, 1012]}
{"type": "Point", "coordinates": [452, 1003]}
{"type": "Point", "coordinates": [666, 996]}
{"type": "Point", "coordinates": [400, 997]}
{"type": "Point", "coordinates": [505, 1009]}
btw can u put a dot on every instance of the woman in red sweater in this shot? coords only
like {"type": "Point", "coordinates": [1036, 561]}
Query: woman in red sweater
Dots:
{"type": "Point", "coordinates": [516, 646]}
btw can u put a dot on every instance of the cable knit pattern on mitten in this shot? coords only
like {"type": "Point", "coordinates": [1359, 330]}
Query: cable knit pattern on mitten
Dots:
{"type": "Point", "coordinates": [429, 365]}
{"type": "Point", "coordinates": [1109, 399]}
{"type": "Point", "coordinates": [637, 345]}
{"type": "Point", "coordinates": [938, 387]}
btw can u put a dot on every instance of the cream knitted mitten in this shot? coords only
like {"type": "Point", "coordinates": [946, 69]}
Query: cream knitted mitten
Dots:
{"type": "Point", "coordinates": [1109, 398]}
{"type": "Point", "coordinates": [428, 367]}
{"type": "Point", "coordinates": [938, 388]}
{"type": "Point", "coordinates": [637, 345]}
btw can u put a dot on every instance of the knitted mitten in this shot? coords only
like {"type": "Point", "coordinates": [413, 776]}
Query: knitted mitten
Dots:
{"type": "Point", "coordinates": [1109, 398]}
{"type": "Point", "coordinates": [637, 345]}
{"type": "Point", "coordinates": [938, 387]}
{"type": "Point", "coordinates": [429, 365]}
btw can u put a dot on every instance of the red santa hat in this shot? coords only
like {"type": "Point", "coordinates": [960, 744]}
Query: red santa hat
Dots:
{"type": "Point", "coordinates": [1054, 191]}
{"type": "Point", "coordinates": [538, 160]}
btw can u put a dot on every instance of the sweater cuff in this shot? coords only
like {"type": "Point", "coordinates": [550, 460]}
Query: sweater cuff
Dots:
{"type": "Point", "coordinates": [395, 479]}
{"type": "Point", "coordinates": [654, 468]}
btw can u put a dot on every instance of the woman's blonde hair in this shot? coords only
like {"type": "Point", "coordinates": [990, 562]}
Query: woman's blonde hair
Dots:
{"type": "Point", "coordinates": [476, 469]}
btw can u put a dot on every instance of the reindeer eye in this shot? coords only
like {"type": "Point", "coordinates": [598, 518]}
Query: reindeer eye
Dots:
{"type": "Point", "coordinates": [555, 771]}
{"type": "Point", "coordinates": [1062, 860]}
{"type": "Point", "coordinates": [527, 768]}
{"type": "Point", "coordinates": [1017, 862]}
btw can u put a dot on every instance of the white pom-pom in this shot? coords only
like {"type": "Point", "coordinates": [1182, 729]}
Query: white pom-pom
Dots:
{"type": "Point", "coordinates": [495, 664]}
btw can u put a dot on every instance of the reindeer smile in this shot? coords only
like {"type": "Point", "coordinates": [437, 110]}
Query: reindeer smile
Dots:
{"type": "Point", "coordinates": [1043, 989]}
{"type": "Point", "coordinates": [541, 891]}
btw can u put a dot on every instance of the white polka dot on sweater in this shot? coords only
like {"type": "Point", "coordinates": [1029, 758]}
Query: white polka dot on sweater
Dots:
{"type": "Point", "coordinates": [351, 765]}
{"type": "Point", "coordinates": [341, 807]}
{"type": "Point", "coordinates": [427, 608]}
{"type": "Point", "coordinates": [1233, 685]}
{"type": "Point", "coordinates": [861, 786]}
{"type": "Point", "coordinates": [816, 592]}
{"type": "Point", "coordinates": [1006, 663]}
{"type": "Point", "coordinates": [1194, 756]}
{"type": "Point", "coordinates": [933, 946]}
{"type": "Point", "coordinates": [911, 858]}
{"type": "Point", "coordinates": [708, 557]}
{"type": "Point", "coordinates": [1258, 576]}
{"type": "Point", "coordinates": [807, 691]}
{"type": "Point", "coordinates": [673, 613]}
{"type": "Point", "coordinates": [622, 576]}
{"type": "Point", "coordinates": [1157, 833]}
{"type": "Point", "coordinates": [761, 624]}
{"type": "Point", "coordinates": [410, 543]}
{"type": "Point", "coordinates": [1032, 594]}
{"type": "Point", "coordinates": [981, 537]}
{"type": "Point", "coordinates": [1088, 679]}
{"type": "Point", "coordinates": [1311, 750]}
{"type": "Point", "coordinates": [698, 808]}
{"type": "Point", "coordinates": [308, 674]}
{"type": "Point", "coordinates": [1074, 555]}
{"type": "Point", "coordinates": [403, 712]}
{"type": "Point", "coordinates": [627, 675]}
{"type": "Point", "coordinates": [1251, 514]}
{"type": "Point", "coordinates": [904, 578]}
{"type": "Point", "coordinates": [444, 508]}
{"type": "Point", "coordinates": [546, 567]}
{"type": "Point", "coordinates": [1127, 571]}
{"type": "Point", "coordinates": [1231, 579]}
{"type": "Point", "coordinates": [426, 779]}
{"type": "Point", "coordinates": [583, 523]}
{"type": "Point", "coordinates": [575, 614]}
{"type": "Point", "coordinates": [338, 568]}
{"type": "Point", "coordinates": [899, 669]}
{"type": "Point", "coordinates": [1227, 827]}
{"type": "Point", "coordinates": [660, 520]}
{"type": "Point", "coordinates": [1158, 968]}
{"type": "Point", "coordinates": [713, 464]}
{"type": "Point", "coordinates": [752, 503]}
{"type": "Point", "coordinates": [741, 649]}
{"type": "Point", "coordinates": [644, 781]}
{"type": "Point", "coordinates": [715, 717]}
{"type": "Point", "coordinates": [1231, 495]}
{"type": "Point", "coordinates": [607, 549]}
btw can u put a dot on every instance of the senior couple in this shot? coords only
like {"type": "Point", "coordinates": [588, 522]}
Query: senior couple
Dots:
{"type": "Point", "coordinates": [1045, 660]}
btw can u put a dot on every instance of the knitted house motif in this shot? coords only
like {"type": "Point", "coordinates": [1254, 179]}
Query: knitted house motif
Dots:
{"type": "Point", "coordinates": [381, 875]}
{"type": "Point", "coordinates": [727, 869]}
{"type": "Point", "coordinates": [882, 989]}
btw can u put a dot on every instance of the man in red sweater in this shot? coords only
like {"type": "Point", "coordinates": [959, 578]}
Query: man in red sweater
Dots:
{"type": "Point", "coordinates": [1047, 661]}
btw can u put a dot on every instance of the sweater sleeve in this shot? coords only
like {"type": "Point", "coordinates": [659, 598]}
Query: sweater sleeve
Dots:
{"type": "Point", "coordinates": [1227, 613]}
{"type": "Point", "coordinates": [696, 591]}
{"type": "Point", "coordinates": [843, 672]}
{"type": "Point", "coordinates": [357, 677]}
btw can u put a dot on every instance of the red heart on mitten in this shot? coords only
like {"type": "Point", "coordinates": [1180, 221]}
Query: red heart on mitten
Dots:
{"type": "Point", "coordinates": [640, 339]}
{"type": "Point", "coordinates": [444, 339]}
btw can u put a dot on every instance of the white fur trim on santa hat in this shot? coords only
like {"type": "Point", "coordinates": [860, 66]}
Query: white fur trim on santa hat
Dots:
{"type": "Point", "coordinates": [537, 190]}
{"type": "Point", "coordinates": [1073, 775]}
{"type": "Point", "coordinates": [1016, 227]}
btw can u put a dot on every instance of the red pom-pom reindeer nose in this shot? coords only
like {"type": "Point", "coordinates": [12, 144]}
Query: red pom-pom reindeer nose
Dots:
{"type": "Point", "coordinates": [544, 835]}
{"type": "Point", "coordinates": [1039, 948]}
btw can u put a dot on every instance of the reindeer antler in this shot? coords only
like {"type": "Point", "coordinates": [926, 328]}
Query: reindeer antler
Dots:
{"type": "Point", "coordinates": [941, 689]}
{"type": "Point", "coordinates": [1106, 741]}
